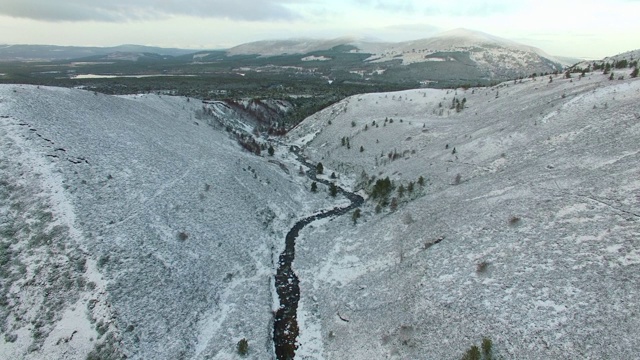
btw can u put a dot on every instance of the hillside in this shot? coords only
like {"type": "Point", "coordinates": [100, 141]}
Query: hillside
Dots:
{"type": "Point", "coordinates": [525, 232]}
{"type": "Point", "coordinates": [129, 226]}
{"type": "Point", "coordinates": [458, 53]}
{"type": "Point", "coordinates": [134, 226]}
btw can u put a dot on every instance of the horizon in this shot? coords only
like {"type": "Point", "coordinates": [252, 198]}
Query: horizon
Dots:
{"type": "Point", "coordinates": [594, 33]}
{"type": "Point", "coordinates": [347, 38]}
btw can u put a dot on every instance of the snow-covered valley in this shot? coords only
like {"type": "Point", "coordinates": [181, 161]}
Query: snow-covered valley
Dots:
{"type": "Point", "coordinates": [525, 229]}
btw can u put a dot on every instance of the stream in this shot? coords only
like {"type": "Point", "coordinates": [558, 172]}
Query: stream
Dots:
{"type": "Point", "coordinates": [285, 331]}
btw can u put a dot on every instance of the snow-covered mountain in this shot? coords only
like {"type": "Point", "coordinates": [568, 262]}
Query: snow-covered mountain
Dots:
{"type": "Point", "coordinates": [130, 227]}
{"type": "Point", "coordinates": [492, 54]}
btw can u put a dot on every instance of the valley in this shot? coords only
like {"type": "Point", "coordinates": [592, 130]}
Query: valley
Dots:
{"type": "Point", "coordinates": [159, 224]}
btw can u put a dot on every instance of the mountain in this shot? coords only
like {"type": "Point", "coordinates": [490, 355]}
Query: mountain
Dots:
{"type": "Point", "coordinates": [138, 227]}
{"type": "Point", "coordinates": [489, 56]}
{"type": "Point", "coordinates": [53, 53]}
{"type": "Point", "coordinates": [454, 58]}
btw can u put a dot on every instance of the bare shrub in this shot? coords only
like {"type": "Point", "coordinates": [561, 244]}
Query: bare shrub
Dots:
{"type": "Point", "coordinates": [457, 179]}
{"type": "Point", "coordinates": [182, 236]}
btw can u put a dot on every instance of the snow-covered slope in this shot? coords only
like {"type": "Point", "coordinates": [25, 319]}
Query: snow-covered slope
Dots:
{"type": "Point", "coordinates": [175, 226]}
{"type": "Point", "coordinates": [128, 226]}
{"type": "Point", "coordinates": [526, 230]}
{"type": "Point", "coordinates": [491, 53]}
{"type": "Point", "coordinates": [281, 47]}
{"type": "Point", "coordinates": [628, 56]}
{"type": "Point", "coordinates": [495, 56]}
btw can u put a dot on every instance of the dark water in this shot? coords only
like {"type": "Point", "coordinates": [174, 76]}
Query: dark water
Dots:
{"type": "Point", "coordinates": [285, 329]}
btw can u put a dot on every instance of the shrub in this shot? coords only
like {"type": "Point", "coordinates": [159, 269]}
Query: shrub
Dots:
{"type": "Point", "coordinates": [355, 216]}
{"type": "Point", "coordinates": [482, 267]}
{"type": "Point", "coordinates": [333, 190]}
{"type": "Point", "coordinates": [182, 236]}
{"type": "Point", "coordinates": [472, 354]}
{"type": "Point", "coordinates": [243, 347]}
{"type": "Point", "coordinates": [486, 348]}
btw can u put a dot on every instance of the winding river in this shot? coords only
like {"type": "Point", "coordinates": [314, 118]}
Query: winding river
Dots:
{"type": "Point", "coordinates": [286, 329]}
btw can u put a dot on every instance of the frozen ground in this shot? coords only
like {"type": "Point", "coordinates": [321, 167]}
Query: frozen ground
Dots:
{"type": "Point", "coordinates": [535, 245]}
{"type": "Point", "coordinates": [130, 227]}
{"type": "Point", "coordinates": [182, 225]}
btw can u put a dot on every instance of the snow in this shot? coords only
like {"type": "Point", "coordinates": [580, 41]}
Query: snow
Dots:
{"type": "Point", "coordinates": [549, 153]}
{"type": "Point", "coordinates": [315, 58]}
{"type": "Point", "coordinates": [534, 246]}
{"type": "Point", "coordinates": [131, 174]}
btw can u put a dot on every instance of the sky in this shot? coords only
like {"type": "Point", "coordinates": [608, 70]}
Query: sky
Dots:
{"type": "Point", "coordinates": [587, 28]}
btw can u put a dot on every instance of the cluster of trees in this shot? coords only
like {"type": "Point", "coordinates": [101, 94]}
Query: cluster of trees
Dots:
{"type": "Point", "coordinates": [383, 189]}
{"type": "Point", "coordinates": [457, 104]}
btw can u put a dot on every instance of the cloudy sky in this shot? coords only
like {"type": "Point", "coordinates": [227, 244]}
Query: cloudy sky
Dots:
{"type": "Point", "coordinates": [586, 28]}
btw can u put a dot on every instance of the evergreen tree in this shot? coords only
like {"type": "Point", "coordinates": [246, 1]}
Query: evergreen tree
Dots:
{"type": "Point", "coordinates": [361, 148]}
{"type": "Point", "coordinates": [410, 187]}
{"type": "Point", "coordinates": [611, 76]}
{"type": "Point", "coordinates": [314, 187]}
{"type": "Point", "coordinates": [271, 150]}
{"type": "Point", "coordinates": [333, 175]}
{"type": "Point", "coordinates": [319, 168]}
{"type": "Point", "coordinates": [333, 190]}
{"type": "Point", "coordinates": [401, 191]}
{"type": "Point", "coordinates": [355, 216]}
{"type": "Point", "coordinates": [634, 73]}
{"type": "Point", "coordinates": [421, 181]}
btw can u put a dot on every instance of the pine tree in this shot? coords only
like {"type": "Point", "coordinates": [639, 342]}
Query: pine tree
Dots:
{"type": "Point", "coordinates": [361, 148]}
{"type": "Point", "coordinates": [401, 191]}
{"type": "Point", "coordinates": [271, 150]}
{"type": "Point", "coordinates": [333, 175]}
{"type": "Point", "coordinates": [634, 73]}
{"type": "Point", "coordinates": [319, 168]}
{"type": "Point", "coordinates": [355, 216]}
{"type": "Point", "coordinates": [421, 181]}
{"type": "Point", "coordinates": [314, 187]}
{"type": "Point", "coordinates": [333, 190]}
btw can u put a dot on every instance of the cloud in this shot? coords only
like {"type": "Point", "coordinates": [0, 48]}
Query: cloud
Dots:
{"type": "Point", "coordinates": [387, 5]}
{"type": "Point", "coordinates": [128, 10]}
{"type": "Point", "coordinates": [453, 8]}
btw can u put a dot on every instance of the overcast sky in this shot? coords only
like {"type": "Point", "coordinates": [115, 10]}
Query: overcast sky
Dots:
{"type": "Point", "coordinates": [586, 28]}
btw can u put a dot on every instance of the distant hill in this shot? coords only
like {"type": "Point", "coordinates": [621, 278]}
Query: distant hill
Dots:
{"type": "Point", "coordinates": [52, 52]}
{"type": "Point", "coordinates": [471, 53]}
{"type": "Point", "coordinates": [459, 57]}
